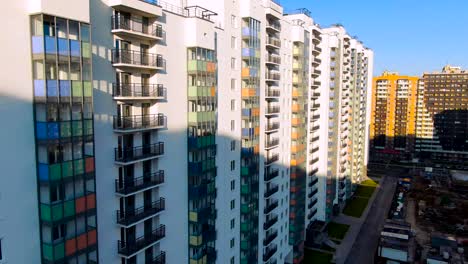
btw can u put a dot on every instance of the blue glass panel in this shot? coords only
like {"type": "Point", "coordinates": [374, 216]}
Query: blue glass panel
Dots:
{"type": "Point", "coordinates": [75, 48]}
{"type": "Point", "coordinates": [65, 88]}
{"type": "Point", "coordinates": [39, 88]}
{"type": "Point", "coordinates": [245, 112]}
{"type": "Point", "coordinates": [41, 130]}
{"type": "Point", "coordinates": [246, 31]}
{"type": "Point", "coordinates": [253, 72]}
{"type": "Point", "coordinates": [43, 172]}
{"type": "Point", "coordinates": [50, 45]}
{"type": "Point", "coordinates": [53, 130]}
{"type": "Point", "coordinates": [37, 44]}
{"type": "Point", "coordinates": [52, 89]}
{"type": "Point", "coordinates": [62, 46]}
{"type": "Point", "coordinates": [245, 52]}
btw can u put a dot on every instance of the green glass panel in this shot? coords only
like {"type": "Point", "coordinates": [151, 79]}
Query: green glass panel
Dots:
{"type": "Point", "coordinates": [245, 208]}
{"type": "Point", "coordinates": [88, 127]}
{"type": "Point", "coordinates": [69, 208]}
{"type": "Point", "coordinates": [244, 171]}
{"type": "Point", "coordinates": [55, 172]}
{"type": "Point", "coordinates": [77, 127]}
{"type": "Point", "coordinates": [88, 91]}
{"type": "Point", "coordinates": [245, 189]}
{"type": "Point", "coordinates": [77, 89]}
{"type": "Point", "coordinates": [193, 91]}
{"type": "Point", "coordinates": [79, 166]}
{"type": "Point", "coordinates": [245, 245]}
{"type": "Point", "coordinates": [192, 65]}
{"type": "Point", "coordinates": [67, 169]}
{"type": "Point", "coordinates": [48, 252]}
{"type": "Point", "coordinates": [59, 251]}
{"type": "Point", "coordinates": [57, 212]}
{"type": "Point", "coordinates": [65, 129]}
{"type": "Point", "coordinates": [244, 227]}
{"type": "Point", "coordinates": [46, 213]}
{"type": "Point", "coordinates": [86, 49]}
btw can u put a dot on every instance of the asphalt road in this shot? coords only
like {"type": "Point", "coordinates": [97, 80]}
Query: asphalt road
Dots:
{"type": "Point", "coordinates": [366, 242]}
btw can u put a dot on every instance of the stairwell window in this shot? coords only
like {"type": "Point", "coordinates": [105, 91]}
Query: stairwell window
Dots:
{"type": "Point", "coordinates": [1, 253]}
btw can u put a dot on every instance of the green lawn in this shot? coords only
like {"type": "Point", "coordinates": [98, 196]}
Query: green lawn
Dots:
{"type": "Point", "coordinates": [317, 257]}
{"type": "Point", "coordinates": [336, 230]}
{"type": "Point", "coordinates": [364, 191]}
{"type": "Point", "coordinates": [356, 206]}
{"type": "Point", "coordinates": [370, 182]}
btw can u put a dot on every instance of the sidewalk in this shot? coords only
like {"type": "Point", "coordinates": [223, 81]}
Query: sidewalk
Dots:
{"type": "Point", "coordinates": [354, 227]}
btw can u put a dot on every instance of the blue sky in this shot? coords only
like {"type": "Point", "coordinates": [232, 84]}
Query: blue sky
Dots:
{"type": "Point", "coordinates": [408, 36]}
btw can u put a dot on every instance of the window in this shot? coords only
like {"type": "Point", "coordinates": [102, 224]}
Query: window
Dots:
{"type": "Point", "coordinates": [233, 42]}
{"type": "Point", "coordinates": [233, 204]}
{"type": "Point", "coordinates": [233, 145]}
{"type": "Point", "coordinates": [233, 185]}
{"type": "Point", "coordinates": [233, 84]}
{"type": "Point", "coordinates": [233, 125]}
{"type": "Point", "coordinates": [233, 63]}
{"type": "Point", "coordinates": [233, 165]}
{"type": "Point", "coordinates": [233, 21]}
{"type": "Point", "coordinates": [233, 104]}
{"type": "Point", "coordinates": [233, 223]}
{"type": "Point", "coordinates": [232, 242]}
{"type": "Point", "coordinates": [1, 255]}
{"type": "Point", "coordinates": [58, 232]}
{"type": "Point", "coordinates": [233, 260]}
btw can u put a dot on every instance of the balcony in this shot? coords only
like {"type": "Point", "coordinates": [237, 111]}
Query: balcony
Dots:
{"type": "Point", "coordinates": [272, 92]}
{"type": "Point", "coordinates": [269, 252]}
{"type": "Point", "coordinates": [272, 143]}
{"type": "Point", "coordinates": [272, 127]}
{"type": "Point", "coordinates": [133, 216]}
{"type": "Point", "coordinates": [272, 59]}
{"type": "Point", "coordinates": [314, 139]}
{"type": "Point", "coordinates": [272, 76]}
{"type": "Point", "coordinates": [138, 123]}
{"type": "Point", "coordinates": [148, 8]}
{"type": "Point", "coordinates": [315, 95]}
{"type": "Point", "coordinates": [126, 59]}
{"type": "Point", "coordinates": [131, 186]}
{"type": "Point", "coordinates": [312, 203]}
{"type": "Point", "coordinates": [132, 247]}
{"type": "Point", "coordinates": [270, 191]}
{"type": "Point", "coordinates": [312, 162]}
{"type": "Point", "coordinates": [269, 238]}
{"type": "Point", "coordinates": [312, 151]}
{"type": "Point", "coordinates": [314, 128]}
{"type": "Point", "coordinates": [270, 222]}
{"type": "Point", "coordinates": [315, 191]}
{"type": "Point", "coordinates": [271, 174]}
{"type": "Point", "coordinates": [313, 182]}
{"type": "Point", "coordinates": [312, 172]}
{"type": "Point", "coordinates": [138, 91]}
{"type": "Point", "coordinates": [271, 159]}
{"type": "Point", "coordinates": [130, 155]}
{"type": "Point", "coordinates": [135, 27]}
{"type": "Point", "coordinates": [312, 214]}
{"type": "Point", "coordinates": [315, 117]}
{"type": "Point", "coordinates": [159, 259]}
{"type": "Point", "coordinates": [270, 207]}
{"type": "Point", "coordinates": [272, 110]}
{"type": "Point", "coordinates": [272, 42]}
{"type": "Point", "coordinates": [273, 26]}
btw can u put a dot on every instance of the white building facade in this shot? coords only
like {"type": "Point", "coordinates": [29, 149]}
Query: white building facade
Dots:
{"type": "Point", "coordinates": [178, 132]}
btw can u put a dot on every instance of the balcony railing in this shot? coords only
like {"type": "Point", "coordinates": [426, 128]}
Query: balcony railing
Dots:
{"type": "Point", "coordinates": [275, 76]}
{"type": "Point", "coordinates": [132, 216]}
{"type": "Point", "coordinates": [270, 191]}
{"type": "Point", "coordinates": [138, 90]}
{"type": "Point", "coordinates": [314, 161]}
{"type": "Point", "coordinates": [312, 203]}
{"type": "Point", "coordinates": [274, 142]}
{"type": "Point", "coordinates": [311, 214]}
{"type": "Point", "coordinates": [128, 248]}
{"type": "Point", "coordinates": [272, 159]}
{"type": "Point", "coordinates": [136, 25]}
{"type": "Point", "coordinates": [274, 25]}
{"type": "Point", "coordinates": [271, 92]}
{"type": "Point", "coordinates": [159, 259]}
{"type": "Point", "coordinates": [269, 253]}
{"type": "Point", "coordinates": [273, 42]}
{"type": "Point", "coordinates": [138, 122]}
{"type": "Point", "coordinates": [269, 238]}
{"type": "Point", "coordinates": [269, 223]}
{"type": "Point", "coordinates": [130, 154]}
{"type": "Point", "coordinates": [136, 58]}
{"type": "Point", "coordinates": [273, 59]}
{"type": "Point", "coordinates": [271, 174]}
{"type": "Point", "coordinates": [270, 207]}
{"type": "Point", "coordinates": [313, 182]}
{"type": "Point", "coordinates": [272, 110]}
{"type": "Point", "coordinates": [272, 126]}
{"type": "Point", "coordinates": [312, 151]}
{"type": "Point", "coordinates": [126, 187]}
{"type": "Point", "coordinates": [312, 173]}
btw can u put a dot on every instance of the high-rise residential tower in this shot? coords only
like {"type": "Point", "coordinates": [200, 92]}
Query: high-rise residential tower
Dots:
{"type": "Point", "coordinates": [191, 131]}
{"type": "Point", "coordinates": [393, 121]}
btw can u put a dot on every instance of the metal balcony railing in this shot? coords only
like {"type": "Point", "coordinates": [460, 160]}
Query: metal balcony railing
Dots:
{"type": "Point", "coordinates": [138, 90]}
{"type": "Point", "coordinates": [272, 159]}
{"type": "Point", "coordinates": [131, 216]}
{"type": "Point", "coordinates": [272, 110]}
{"type": "Point", "coordinates": [159, 259]}
{"type": "Point", "coordinates": [272, 143]}
{"type": "Point", "coordinates": [136, 184]}
{"type": "Point", "coordinates": [139, 122]}
{"type": "Point", "coordinates": [271, 174]}
{"type": "Point", "coordinates": [273, 59]}
{"type": "Point", "coordinates": [272, 126]}
{"type": "Point", "coordinates": [270, 222]}
{"type": "Point", "coordinates": [129, 154]}
{"type": "Point", "coordinates": [269, 238]}
{"type": "Point", "coordinates": [270, 207]}
{"type": "Point", "coordinates": [273, 41]}
{"type": "Point", "coordinates": [269, 253]}
{"type": "Point", "coordinates": [130, 247]}
{"type": "Point", "coordinates": [270, 191]}
{"type": "Point", "coordinates": [137, 58]}
{"type": "Point", "coordinates": [136, 25]}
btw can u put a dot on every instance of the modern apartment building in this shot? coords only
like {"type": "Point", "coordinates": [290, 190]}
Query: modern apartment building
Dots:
{"type": "Point", "coordinates": [393, 122]}
{"type": "Point", "coordinates": [442, 116]}
{"type": "Point", "coordinates": [191, 131]}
